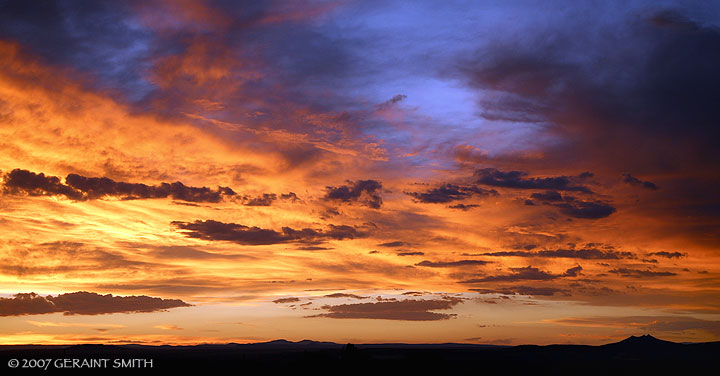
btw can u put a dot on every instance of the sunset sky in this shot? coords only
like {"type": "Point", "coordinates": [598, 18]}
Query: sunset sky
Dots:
{"type": "Point", "coordinates": [500, 172]}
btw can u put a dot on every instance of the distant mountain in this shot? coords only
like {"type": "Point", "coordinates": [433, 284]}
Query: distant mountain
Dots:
{"type": "Point", "coordinates": [643, 341]}
{"type": "Point", "coordinates": [285, 344]}
{"type": "Point", "coordinates": [634, 355]}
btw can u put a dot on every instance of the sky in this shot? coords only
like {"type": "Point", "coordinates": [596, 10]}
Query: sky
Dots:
{"type": "Point", "coordinates": [496, 172]}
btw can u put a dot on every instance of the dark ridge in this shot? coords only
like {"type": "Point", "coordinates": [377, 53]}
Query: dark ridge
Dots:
{"type": "Point", "coordinates": [634, 355]}
{"type": "Point", "coordinates": [643, 341]}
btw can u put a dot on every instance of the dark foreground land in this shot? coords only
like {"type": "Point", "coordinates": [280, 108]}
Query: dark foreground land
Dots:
{"type": "Point", "coordinates": [644, 355]}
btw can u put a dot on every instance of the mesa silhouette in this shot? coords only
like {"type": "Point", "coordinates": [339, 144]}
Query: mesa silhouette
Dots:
{"type": "Point", "coordinates": [634, 355]}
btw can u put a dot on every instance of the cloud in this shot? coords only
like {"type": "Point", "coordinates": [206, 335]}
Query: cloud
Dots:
{"type": "Point", "coordinates": [83, 303]}
{"type": "Point", "coordinates": [541, 77]}
{"type": "Point", "coordinates": [522, 290]}
{"type": "Point", "coordinates": [572, 206]}
{"type": "Point", "coordinates": [547, 196]}
{"type": "Point", "coordinates": [80, 188]}
{"type": "Point", "coordinates": [22, 181]}
{"type": "Point", "coordinates": [527, 273]}
{"type": "Point", "coordinates": [94, 188]}
{"type": "Point", "coordinates": [572, 272]}
{"type": "Point", "coordinates": [668, 254]}
{"type": "Point", "coordinates": [548, 75]}
{"type": "Point", "coordinates": [584, 253]}
{"type": "Point", "coordinates": [413, 253]}
{"type": "Point", "coordinates": [214, 230]}
{"type": "Point", "coordinates": [450, 192]}
{"type": "Point", "coordinates": [312, 248]}
{"type": "Point", "coordinates": [184, 252]}
{"type": "Point", "coordinates": [585, 209]}
{"type": "Point", "coordinates": [345, 295]}
{"type": "Point", "coordinates": [64, 257]}
{"type": "Point", "coordinates": [392, 101]}
{"type": "Point", "coordinates": [646, 323]}
{"type": "Point", "coordinates": [629, 179]}
{"type": "Point", "coordinates": [636, 273]}
{"type": "Point", "coordinates": [406, 310]}
{"type": "Point", "coordinates": [286, 300]}
{"type": "Point", "coordinates": [55, 324]}
{"type": "Point", "coordinates": [366, 192]}
{"type": "Point", "coordinates": [290, 196]}
{"type": "Point", "coordinates": [265, 200]}
{"type": "Point", "coordinates": [167, 327]}
{"type": "Point", "coordinates": [519, 180]}
{"type": "Point", "coordinates": [392, 244]}
{"type": "Point", "coordinates": [463, 207]}
{"type": "Point", "coordinates": [451, 264]}
{"type": "Point", "coordinates": [63, 34]}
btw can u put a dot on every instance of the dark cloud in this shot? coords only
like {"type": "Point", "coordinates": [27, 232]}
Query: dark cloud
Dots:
{"type": "Point", "coordinates": [450, 192]}
{"type": "Point", "coordinates": [584, 253]}
{"type": "Point", "coordinates": [585, 209]}
{"type": "Point", "coordinates": [519, 180]}
{"type": "Point", "coordinates": [572, 206]}
{"type": "Point", "coordinates": [68, 33]}
{"type": "Point", "coordinates": [643, 98]}
{"type": "Point", "coordinates": [79, 188]}
{"type": "Point", "coordinates": [451, 264]}
{"type": "Point", "coordinates": [392, 101]}
{"type": "Point", "coordinates": [673, 82]}
{"type": "Point", "coordinates": [392, 244]}
{"type": "Point", "coordinates": [521, 290]}
{"type": "Point", "coordinates": [313, 248]}
{"type": "Point", "coordinates": [414, 253]}
{"type": "Point", "coordinates": [94, 188]}
{"type": "Point", "coordinates": [572, 272]}
{"type": "Point", "coordinates": [83, 303]}
{"type": "Point", "coordinates": [290, 196]}
{"type": "Point", "coordinates": [527, 273]}
{"type": "Point", "coordinates": [547, 196]}
{"type": "Point", "coordinates": [407, 310]}
{"type": "Point", "coordinates": [668, 254]}
{"type": "Point", "coordinates": [214, 230]}
{"type": "Point", "coordinates": [636, 273]}
{"type": "Point", "coordinates": [463, 207]}
{"type": "Point", "coordinates": [366, 192]}
{"type": "Point", "coordinates": [22, 181]}
{"type": "Point", "coordinates": [629, 179]}
{"type": "Point", "coordinates": [286, 300]}
{"type": "Point", "coordinates": [265, 200]}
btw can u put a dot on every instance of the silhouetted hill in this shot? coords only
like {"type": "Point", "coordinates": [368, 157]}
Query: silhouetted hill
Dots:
{"type": "Point", "coordinates": [634, 355]}
{"type": "Point", "coordinates": [643, 341]}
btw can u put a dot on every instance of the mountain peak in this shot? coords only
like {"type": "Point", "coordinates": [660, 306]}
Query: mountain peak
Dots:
{"type": "Point", "coordinates": [644, 340]}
